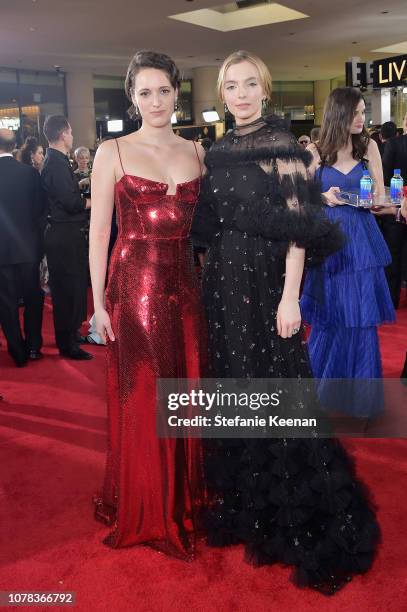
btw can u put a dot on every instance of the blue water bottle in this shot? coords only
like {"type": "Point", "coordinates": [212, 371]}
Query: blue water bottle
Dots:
{"type": "Point", "coordinates": [396, 187]}
{"type": "Point", "coordinates": [366, 186]}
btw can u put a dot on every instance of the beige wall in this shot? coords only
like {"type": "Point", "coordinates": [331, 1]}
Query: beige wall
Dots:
{"type": "Point", "coordinates": [322, 89]}
{"type": "Point", "coordinates": [81, 108]}
{"type": "Point", "coordinates": [204, 92]}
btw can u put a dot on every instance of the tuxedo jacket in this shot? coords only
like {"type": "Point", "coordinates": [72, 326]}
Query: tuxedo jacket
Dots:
{"type": "Point", "coordinates": [22, 213]}
{"type": "Point", "coordinates": [395, 157]}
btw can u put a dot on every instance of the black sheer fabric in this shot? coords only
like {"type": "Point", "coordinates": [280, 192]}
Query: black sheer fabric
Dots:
{"type": "Point", "coordinates": [292, 501]}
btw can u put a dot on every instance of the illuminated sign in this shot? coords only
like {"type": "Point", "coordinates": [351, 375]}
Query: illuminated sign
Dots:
{"type": "Point", "coordinates": [390, 72]}
{"type": "Point", "coordinates": [358, 74]}
{"type": "Point", "coordinates": [9, 123]}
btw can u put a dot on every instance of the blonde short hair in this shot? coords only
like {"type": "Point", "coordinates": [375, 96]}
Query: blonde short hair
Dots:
{"type": "Point", "coordinates": [244, 56]}
{"type": "Point", "coordinates": [80, 150]}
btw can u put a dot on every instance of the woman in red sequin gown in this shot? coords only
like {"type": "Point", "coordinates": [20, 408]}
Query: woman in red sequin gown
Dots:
{"type": "Point", "coordinates": [152, 316]}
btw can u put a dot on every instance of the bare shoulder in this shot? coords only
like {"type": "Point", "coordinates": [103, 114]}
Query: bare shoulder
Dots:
{"type": "Point", "coordinates": [201, 151]}
{"type": "Point", "coordinates": [106, 150]}
{"type": "Point", "coordinates": [372, 148]}
{"type": "Point", "coordinates": [313, 149]}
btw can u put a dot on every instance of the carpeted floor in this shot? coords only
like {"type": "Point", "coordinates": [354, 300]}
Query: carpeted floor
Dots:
{"type": "Point", "coordinates": [52, 440]}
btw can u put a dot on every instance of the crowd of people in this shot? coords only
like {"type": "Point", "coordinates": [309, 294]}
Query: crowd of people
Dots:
{"type": "Point", "coordinates": [44, 236]}
{"type": "Point", "coordinates": [392, 145]}
{"type": "Point", "coordinates": [63, 208]}
{"type": "Point", "coordinates": [263, 208]}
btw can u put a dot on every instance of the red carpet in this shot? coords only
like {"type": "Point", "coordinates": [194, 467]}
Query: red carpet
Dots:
{"type": "Point", "coordinates": [52, 439]}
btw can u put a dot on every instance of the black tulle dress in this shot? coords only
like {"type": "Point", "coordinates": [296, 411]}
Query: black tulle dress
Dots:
{"type": "Point", "coordinates": [292, 501]}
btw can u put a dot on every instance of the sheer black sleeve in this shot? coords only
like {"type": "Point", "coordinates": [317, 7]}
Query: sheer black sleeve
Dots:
{"type": "Point", "coordinates": [205, 223]}
{"type": "Point", "coordinates": [292, 212]}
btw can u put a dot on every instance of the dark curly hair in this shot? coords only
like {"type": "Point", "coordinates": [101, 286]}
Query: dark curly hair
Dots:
{"type": "Point", "coordinates": [149, 59]}
{"type": "Point", "coordinates": [29, 148]}
{"type": "Point", "coordinates": [338, 117]}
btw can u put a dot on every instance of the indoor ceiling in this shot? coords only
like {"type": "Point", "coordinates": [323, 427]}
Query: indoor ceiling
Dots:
{"type": "Point", "coordinates": [101, 35]}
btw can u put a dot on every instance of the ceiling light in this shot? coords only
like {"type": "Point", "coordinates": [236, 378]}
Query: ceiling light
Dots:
{"type": "Point", "coordinates": [231, 17]}
{"type": "Point", "coordinates": [210, 115]}
{"type": "Point", "coordinates": [398, 48]}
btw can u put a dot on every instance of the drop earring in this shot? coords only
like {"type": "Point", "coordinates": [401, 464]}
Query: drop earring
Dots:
{"type": "Point", "coordinates": [176, 105]}
{"type": "Point", "coordinates": [225, 108]}
{"type": "Point", "coordinates": [264, 105]}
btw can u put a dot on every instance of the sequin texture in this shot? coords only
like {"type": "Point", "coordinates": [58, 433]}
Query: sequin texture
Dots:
{"type": "Point", "coordinates": [152, 486]}
{"type": "Point", "coordinates": [286, 500]}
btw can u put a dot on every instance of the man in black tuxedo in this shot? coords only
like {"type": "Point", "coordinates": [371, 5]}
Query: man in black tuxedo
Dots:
{"type": "Point", "coordinates": [65, 239]}
{"type": "Point", "coordinates": [21, 227]}
{"type": "Point", "coordinates": [395, 234]}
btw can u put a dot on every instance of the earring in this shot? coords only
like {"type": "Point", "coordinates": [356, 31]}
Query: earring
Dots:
{"type": "Point", "coordinates": [225, 108]}
{"type": "Point", "coordinates": [176, 105]}
{"type": "Point", "coordinates": [264, 104]}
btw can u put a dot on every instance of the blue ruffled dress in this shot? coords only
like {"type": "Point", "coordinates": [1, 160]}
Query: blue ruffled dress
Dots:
{"type": "Point", "coordinates": [344, 300]}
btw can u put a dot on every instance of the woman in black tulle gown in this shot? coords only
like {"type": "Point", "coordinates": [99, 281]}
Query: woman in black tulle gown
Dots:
{"type": "Point", "coordinates": [291, 501]}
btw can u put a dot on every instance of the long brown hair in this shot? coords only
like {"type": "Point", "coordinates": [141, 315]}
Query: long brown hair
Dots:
{"type": "Point", "coordinates": [338, 116]}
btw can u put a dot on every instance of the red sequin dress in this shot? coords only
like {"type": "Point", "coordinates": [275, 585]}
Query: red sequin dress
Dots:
{"type": "Point", "coordinates": [152, 487]}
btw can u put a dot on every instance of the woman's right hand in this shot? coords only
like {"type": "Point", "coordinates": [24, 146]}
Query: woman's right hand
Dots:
{"type": "Point", "coordinates": [331, 197]}
{"type": "Point", "coordinates": [103, 325]}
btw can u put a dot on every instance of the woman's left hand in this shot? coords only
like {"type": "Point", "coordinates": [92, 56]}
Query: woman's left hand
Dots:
{"type": "Point", "coordinates": [288, 317]}
{"type": "Point", "coordinates": [85, 182]}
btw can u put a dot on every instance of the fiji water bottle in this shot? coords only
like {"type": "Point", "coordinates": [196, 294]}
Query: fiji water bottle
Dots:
{"type": "Point", "coordinates": [396, 187]}
{"type": "Point", "coordinates": [366, 186]}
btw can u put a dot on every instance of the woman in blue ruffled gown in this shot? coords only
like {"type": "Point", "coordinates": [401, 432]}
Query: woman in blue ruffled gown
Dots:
{"type": "Point", "coordinates": [347, 297]}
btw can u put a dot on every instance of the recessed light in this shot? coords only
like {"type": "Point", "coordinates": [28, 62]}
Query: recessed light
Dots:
{"type": "Point", "coordinates": [384, 12]}
{"type": "Point", "coordinates": [291, 34]}
{"type": "Point", "coordinates": [306, 66]}
{"type": "Point", "coordinates": [32, 29]}
{"type": "Point", "coordinates": [218, 59]}
{"type": "Point", "coordinates": [355, 42]}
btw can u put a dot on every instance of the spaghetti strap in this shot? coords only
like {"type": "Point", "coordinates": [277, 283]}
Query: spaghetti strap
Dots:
{"type": "Point", "coordinates": [120, 158]}
{"type": "Point", "coordinates": [199, 159]}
